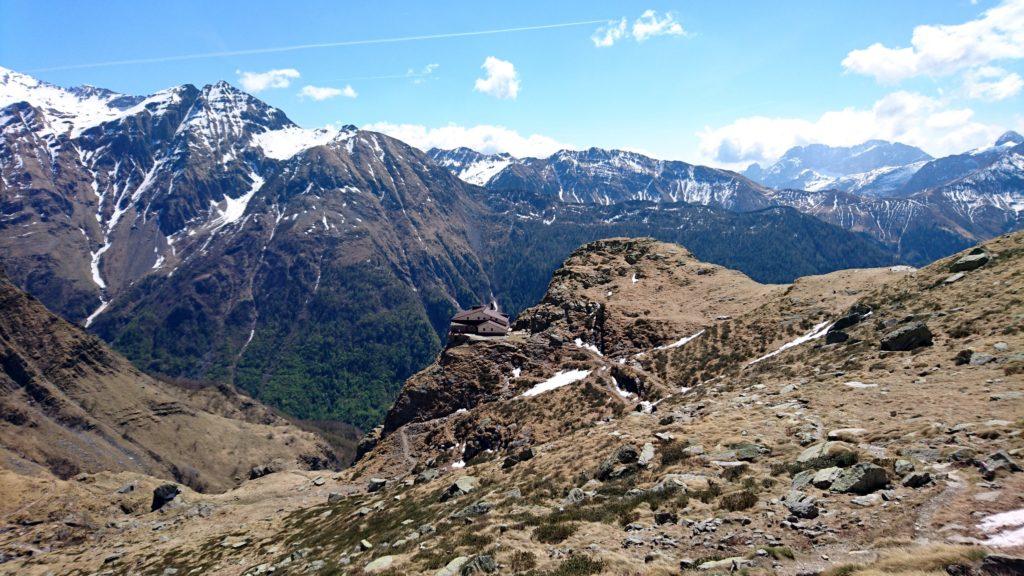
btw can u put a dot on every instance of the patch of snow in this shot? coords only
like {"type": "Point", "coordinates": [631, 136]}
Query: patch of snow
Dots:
{"type": "Point", "coordinates": [234, 208]}
{"type": "Point", "coordinates": [481, 172]}
{"type": "Point", "coordinates": [516, 372]}
{"type": "Point", "coordinates": [634, 280]}
{"type": "Point", "coordinates": [818, 331]}
{"type": "Point", "coordinates": [681, 342]}
{"type": "Point", "coordinates": [559, 380]}
{"type": "Point", "coordinates": [287, 142]}
{"type": "Point", "coordinates": [856, 384]}
{"type": "Point", "coordinates": [1006, 529]}
{"type": "Point", "coordinates": [97, 312]}
{"type": "Point", "coordinates": [902, 268]}
{"type": "Point", "coordinates": [620, 391]}
{"type": "Point", "coordinates": [579, 344]}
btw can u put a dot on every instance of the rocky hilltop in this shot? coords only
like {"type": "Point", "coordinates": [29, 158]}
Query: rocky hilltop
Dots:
{"type": "Point", "coordinates": [655, 414]}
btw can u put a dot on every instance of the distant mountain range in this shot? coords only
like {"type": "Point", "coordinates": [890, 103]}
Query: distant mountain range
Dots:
{"type": "Point", "coordinates": [921, 207]}
{"type": "Point", "coordinates": [205, 235]}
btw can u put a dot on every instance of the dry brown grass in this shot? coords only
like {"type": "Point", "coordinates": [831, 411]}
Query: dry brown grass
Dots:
{"type": "Point", "coordinates": [915, 561]}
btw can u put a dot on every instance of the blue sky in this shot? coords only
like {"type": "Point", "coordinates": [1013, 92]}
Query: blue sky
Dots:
{"type": "Point", "coordinates": [711, 82]}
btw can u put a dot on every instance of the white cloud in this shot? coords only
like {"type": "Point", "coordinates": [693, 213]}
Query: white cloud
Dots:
{"type": "Point", "coordinates": [609, 34]}
{"type": "Point", "coordinates": [992, 83]}
{"type": "Point", "coordinates": [320, 93]}
{"type": "Point", "coordinates": [648, 25]}
{"type": "Point", "coordinates": [942, 50]}
{"type": "Point", "coordinates": [483, 138]}
{"type": "Point", "coordinates": [906, 117]}
{"type": "Point", "coordinates": [502, 80]}
{"type": "Point", "coordinates": [419, 76]}
{"type": "Point", "coordinates": [260, 81]}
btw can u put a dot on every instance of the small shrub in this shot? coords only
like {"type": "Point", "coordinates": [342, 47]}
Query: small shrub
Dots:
{"type": "Point", "coordinates": [578, 566]}
{"type": "Point", "coordinates": [554, 533]}
{"type": "Point", "coordinates": [674, 452]}
{"type": "Point", "coordinates": [736, 501]}
{"type": "Point", "coordinates": [521, 561]}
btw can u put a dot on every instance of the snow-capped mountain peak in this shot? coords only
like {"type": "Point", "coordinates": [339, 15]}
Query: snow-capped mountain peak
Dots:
{"type": "Point", "coordinates": [68, 109]}
{"type": "Point", "coordinates": [1010, 138]}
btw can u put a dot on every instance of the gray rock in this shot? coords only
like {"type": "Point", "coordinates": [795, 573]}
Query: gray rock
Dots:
{"type": "Point", "coordinates": [463, 485]}
{"type": "Point", "coordinates": [475, 509]}
{"type": "Point", "coordinates": [319, 481]}
{"type": "Point", "coordinates": [646, 455]}
{"type": "Point", "coordinates": [376, 484]}
{"type": "Point", "coordinates": [1001, 346]}
{"type": "Point", "coordinates": [981, 359]}
{"type": "Point", "coordinates": [454, 567]}
{"type": "Point", "coordinates": [365, 545]}
{"type": "Point", "coordinates": [803, 479]}
{"type": "Point", "coordinates": [163, 494]}
{"type": "Point", "coordinates": [575, 496]}
{"type": "Point", "coordinates": [862, 478]}
{"type": "Point", "coordinates": [482, 564]}
{"type": "Point", "coordinates": [334, 498]}
{"type": "Point", "coordinates": [827, 454]}
{"type": "Point", "coordinates": [953, 278]}
{"type": "Point", "coordinates": [998, 463]}
{"type": "Point", "coordinates": [868, 500]}
{"type": "Point", "coordinates": [800, 504]}
{"type": "Point", "coordinates": [916, 479]}
{"type": "Point", "coordinates": [972, 261]}
{"type": "Point", "coordinates": [427, 475]}
{"type": "Point", "coordinates": [903, 467]}
{"type": "Point", "coordinates": [379, 565]}
{"type": "Point", "coordinates": [824, 478]}
{"type": "Point", "coordinates": [909, 337]}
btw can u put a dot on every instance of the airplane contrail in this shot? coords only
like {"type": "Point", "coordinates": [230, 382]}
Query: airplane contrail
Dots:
{"type": "Point", "coordinates": [251, 51]}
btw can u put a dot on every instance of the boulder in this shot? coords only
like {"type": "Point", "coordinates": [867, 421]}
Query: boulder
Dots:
{"type": "Point", "coordinates": [916, 479]}
{"type": "Point", "coordinates": [463, 485]}
{"type": "Point", "coordinates": [521, 456]}
{"type": "Point", "coordinates": [825, 477]}
{"type": "Point", "coordinates": [908, 337]}
{"type": "Point", "coordinates": [847, 434]}
{"type": "Point", "coordinates": [379, 565]}
{"type": "Point", "coordinates": [575, 496]}
{"type": "Point", "coordinates": [836, 337]}
{"type": "Point", "coordinates": [997, 463]}
{"type": "Point", "coordinates": [665, 517]}
{"type": "Point", "coordinates": [376, 484]}
{"type": "Point", "coordinates": [803, 479]}
{"type": "Point", "coordinates": [475, 509]}
{"type": "Point", "coordinates": [482, 564]}
{"type": "Point", "coordinates": [689, 483]}
{"type": "Point", "coordinates": [827, 454]}
{"type": "Point", "coordinates": [334, 498]}
{"type": "Point", "coordinates": [1000, 565]}
{"type": "Point", "coordinates": [646, 455]}
{"type": "Point", "coordinates": [972, 261]}
{"type": "Point", "coordinates": [862, 478]}
{"type": "Point", "coordinates": [163, 494]}
{"type": "Point", "coordinates": [903, 467]}
{"type": "Point", "coordinates": [800, 504]}
{"type": "Point", "coordinates": [454, 567]}
{"type": "Point", "coordinates": [260, 471]}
